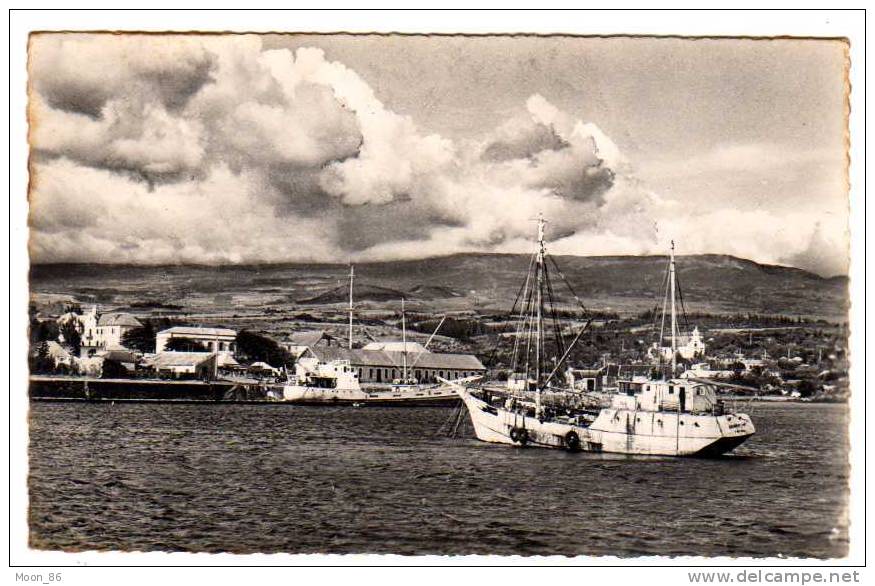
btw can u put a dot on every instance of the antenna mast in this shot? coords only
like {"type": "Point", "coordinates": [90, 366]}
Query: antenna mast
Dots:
{"type": "Point", "coordinates": [351, 279]}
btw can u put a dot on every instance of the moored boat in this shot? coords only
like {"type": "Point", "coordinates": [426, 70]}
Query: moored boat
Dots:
{"type": "Point", "coordinates": [337, 381]}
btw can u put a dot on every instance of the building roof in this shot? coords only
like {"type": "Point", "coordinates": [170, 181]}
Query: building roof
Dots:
{"type": "Point", "coordinates": [379, 358]}
{"type": "Point", "coordinates": [396, 346]}
{"type": "Point", "coordinates": [170, 359]}
{"type": "Point", "coordinates": [119, 319]}
{"type": "Point", "coordinates": [69, 316]}
{"type": "Point", "coordinates": [307, 338]}
{"type": "Point", "coordinates": [197, 331]}
{"type": "Point", "coordinates": [261, 366]}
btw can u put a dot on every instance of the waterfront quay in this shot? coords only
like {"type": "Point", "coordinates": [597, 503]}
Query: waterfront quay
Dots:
{"type": "Point", "coordinates": [73, 388]}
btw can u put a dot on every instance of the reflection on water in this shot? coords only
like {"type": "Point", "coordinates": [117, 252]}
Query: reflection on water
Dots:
{"type": "Point", "coordinates": [278, 478]}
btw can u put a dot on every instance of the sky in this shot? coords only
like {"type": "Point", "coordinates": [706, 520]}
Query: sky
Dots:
{"type": "Point", "coordinates": [339, 148]}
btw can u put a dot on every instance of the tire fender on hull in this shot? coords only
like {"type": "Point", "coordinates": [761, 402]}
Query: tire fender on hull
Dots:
{"type": "Point", "coordinates": [572, 441]}
{"type": "Point", "coordinates": [519, 435]}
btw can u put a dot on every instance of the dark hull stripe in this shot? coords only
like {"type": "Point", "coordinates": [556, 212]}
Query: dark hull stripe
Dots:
{"type": "Point", "coordinates": [721, 446]}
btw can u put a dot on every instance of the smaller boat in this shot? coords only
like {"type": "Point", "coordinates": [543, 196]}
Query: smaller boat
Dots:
{"type": "Point", "coordinates": [318, 382]}
{"type": "Point", "coordinates": [336, 382]}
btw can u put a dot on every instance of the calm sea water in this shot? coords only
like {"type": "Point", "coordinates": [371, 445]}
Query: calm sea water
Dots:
{"type": "Point", "coordinates": [278, 478]}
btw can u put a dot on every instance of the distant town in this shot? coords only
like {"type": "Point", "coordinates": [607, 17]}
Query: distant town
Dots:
{"type": "Point", "coordinates": [752, 355]}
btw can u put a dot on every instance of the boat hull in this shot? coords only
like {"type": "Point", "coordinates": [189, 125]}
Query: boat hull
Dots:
{"type": "Point", "coordinates": [302, 395]}
{"type": "Point", "coordinates": [616, 431]}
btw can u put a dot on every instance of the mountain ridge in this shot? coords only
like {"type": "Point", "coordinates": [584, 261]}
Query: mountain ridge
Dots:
{"type": "Point", "coordinates": [306, 264]}
{"type": "Point", "coordinates": [710, 283]}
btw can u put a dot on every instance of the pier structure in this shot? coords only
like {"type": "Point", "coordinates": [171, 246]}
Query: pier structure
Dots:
{"type": "Point", "coordinates": [73, 388]}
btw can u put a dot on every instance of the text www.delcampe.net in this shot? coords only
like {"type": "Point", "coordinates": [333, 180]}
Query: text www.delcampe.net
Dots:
{"type": "Point", "coordinates": [774, 577]}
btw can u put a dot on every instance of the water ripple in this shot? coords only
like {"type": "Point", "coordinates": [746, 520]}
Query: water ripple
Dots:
{"type": "Point", "coordinates": [276, 478]}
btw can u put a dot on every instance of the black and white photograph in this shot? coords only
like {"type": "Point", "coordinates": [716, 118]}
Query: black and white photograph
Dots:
{"type": "Point", "coordinates": [351, 293]}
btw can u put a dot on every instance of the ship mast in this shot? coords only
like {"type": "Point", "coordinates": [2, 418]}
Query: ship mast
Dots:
{"type": "Point", "coordinates": [351, 279]}
{"type": "Point", "coordinates": [534, 298]}
{"type": "Point", "coordinates": [403, 342]}
{"type": "Point", "coordinates": [539, 330]}
{"type": "Point", "coordinates": [672, 278]}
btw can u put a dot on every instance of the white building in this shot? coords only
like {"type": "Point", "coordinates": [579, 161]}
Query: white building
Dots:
{"type": "Point", "coordinates": [104, 331]}
{"type": "Point", "coordinates": [219, 340]}
{"type": "Point", "coordinates": [702, 370]}
{"type": "Point", "coordinates": [381, 365]}
{"type": "Point", "coordinates": [200, 365]}
{"type": "Point", "coordinates": [688, 347]}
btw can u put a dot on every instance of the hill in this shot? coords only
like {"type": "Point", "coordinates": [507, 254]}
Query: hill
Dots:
{"type": "Point", "coordinates": [715, 283]}
{"type": "Point", "coordinates": [362, 292]}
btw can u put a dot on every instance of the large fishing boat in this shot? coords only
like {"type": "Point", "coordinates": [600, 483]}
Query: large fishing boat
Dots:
{"type": "Point", "coordinates": [338, 380]}
{"type": "Point", "coordinates": [666, 417]}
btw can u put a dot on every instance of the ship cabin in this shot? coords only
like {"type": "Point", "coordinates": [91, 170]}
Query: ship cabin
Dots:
{"type": "Point", "coordinates": [336, 374]}
{"type": "Point", "coordinates": [677, 395]}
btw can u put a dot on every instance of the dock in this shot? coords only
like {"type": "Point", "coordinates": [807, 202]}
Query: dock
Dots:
{"type": "Point", "coordinates": [83, 388]}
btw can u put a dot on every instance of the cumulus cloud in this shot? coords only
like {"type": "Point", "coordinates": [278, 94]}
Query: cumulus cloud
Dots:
{"type": "Point", "coordinates": [81, 73]}
{"type": "Point", "coordinates": [825, 251]}
{"type": "Point", "coordinates": [96, 215]}
{"type": "Point", "coordinates": [213, 149]}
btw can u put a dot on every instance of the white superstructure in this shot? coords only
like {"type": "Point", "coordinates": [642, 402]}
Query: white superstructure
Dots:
{"type": "Point", "coordinates": [316, 382]}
